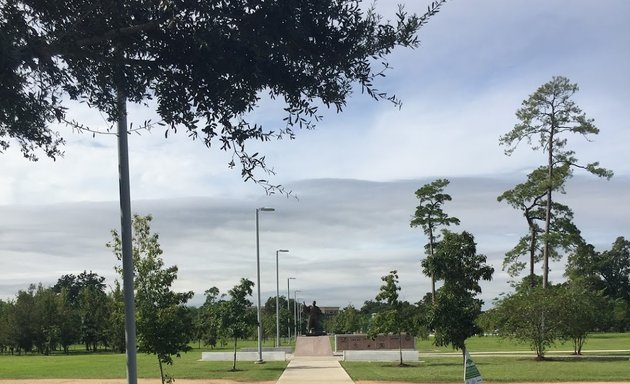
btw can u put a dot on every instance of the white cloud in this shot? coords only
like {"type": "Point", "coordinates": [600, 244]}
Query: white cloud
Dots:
{"type": "Point", "coordinates": [476, 63]}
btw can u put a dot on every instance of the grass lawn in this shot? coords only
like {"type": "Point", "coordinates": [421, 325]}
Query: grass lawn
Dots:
{"type": "Point", "coordinates": [497, 369]}
{"type": "Point", "coordinates": [595, 341]}
{"type": "Point", "coordinates": [594, 365]}
{"type": "Point", "coordinates": [113, 365]}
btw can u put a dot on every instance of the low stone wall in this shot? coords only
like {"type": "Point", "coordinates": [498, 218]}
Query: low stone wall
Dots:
{"type": "Point", "coordinates": [243, 356]}
{"type": "Point", "coordinates": [381, 355]}
{"type": "Point", "coordinates": [363, 342]}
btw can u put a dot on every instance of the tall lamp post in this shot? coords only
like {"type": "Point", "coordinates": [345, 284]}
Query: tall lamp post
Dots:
{"type": "Point", "coordinates": [289, 308]}
{"type": "Point", "coordinates": [277, 298]}
{"type": "Point", "coordinates": [295, 315]}
{"type": "Point", "coordinates": [263, 209]}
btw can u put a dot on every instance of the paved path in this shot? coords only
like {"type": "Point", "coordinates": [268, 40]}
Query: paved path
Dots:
{"type": "Point", "coordinates": [314, 369]}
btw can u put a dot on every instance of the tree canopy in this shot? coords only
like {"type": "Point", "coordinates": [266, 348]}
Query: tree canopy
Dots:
{"type": "Point", "coordinates": [205, 64]}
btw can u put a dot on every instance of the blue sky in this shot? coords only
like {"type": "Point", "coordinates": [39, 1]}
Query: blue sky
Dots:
{"type": "Point", "coordinates": [355, 174]}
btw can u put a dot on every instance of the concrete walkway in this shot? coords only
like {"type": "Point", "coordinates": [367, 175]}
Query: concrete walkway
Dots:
{"type": "Point", "coordinates": [314, 369]}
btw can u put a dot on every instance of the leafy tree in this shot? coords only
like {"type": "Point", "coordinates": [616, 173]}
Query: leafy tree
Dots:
{"type": "Point", "coordinates": [164, 324]}
{"type": "Point", "coordinates": [532, 316]}
{"type": "Point", "coordinates": [530, 198]}
{"type": "Point", "coordinates": [348, 320]}
{"type": "Point", "coordinates": [608, 270]}
{"type": "Point", "coordinates": [46, 336]}
{"type": "Point", "coordinates": [206, 64]}
{"type": "Point", "coordinates": [25, 320]}
{"type": "Point", "coordinates": [582, 310]}
{"type": "Point", "coordinates": [210, 317]}
{"type": "Point", "coordinates": [69, 321]}
{"type": "Point", "coordinates": [546, 118]}
{"type": "Point", "coordinates": [371, 306]}
{"type": "Point", "coordinates": [430, 216]}
{"type": "Point", "coordinates": [237, 315]}
{"type": "Point", "coordinates": [456, 307]}
{"type": "Point", "coordinates": [398, 317]}
{"type": "Point", "coordinates": [115, 329]}
{"type": "Point", "coordinates": [85, 294]}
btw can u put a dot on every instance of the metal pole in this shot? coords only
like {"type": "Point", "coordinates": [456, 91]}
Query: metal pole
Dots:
{"type": "Point", "coordinates": [278, 299]}
{"type": "Point", "coordinates": [126, 239]}
{"type": "Point", "coordinates": [289, 308]}
{"type": "Point", "coordinates": [277, 303]}
{"type": "Point", "coordinates": [258, 311]}
{"type": "Point", "coordinates": [260, 359]}
{"type": "Point", "coordinates": [295, 318]}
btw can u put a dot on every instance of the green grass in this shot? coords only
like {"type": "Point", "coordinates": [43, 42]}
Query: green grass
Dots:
{"type": "Point", "coordinates": [111, 366]}
{"type": "Point", "coordinates": [595, 366]}
{"type": "Point", "coordinates": [596, 341]}
{"type": "Point", "coordinates": [496, 369]}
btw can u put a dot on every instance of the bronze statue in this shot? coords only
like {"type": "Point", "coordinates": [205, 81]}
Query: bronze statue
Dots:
{"type": "Point", "coordinates": [314, 327]}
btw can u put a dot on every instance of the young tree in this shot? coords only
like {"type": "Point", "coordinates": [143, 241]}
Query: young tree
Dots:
{"type": "Point", "coordinates": [164, 324]}
{"type": "Point", "coordinates": [397, 317]}
{"type": "Point", "coordinates": [531, 315]}
{"type": "Point", "coordinates": [210, 311]}
{"type": "Point", "coordinates": [347, 321]}
{"type": "Point", "coordinates": [582, 310]}
{"type": "Point", "coordinates": [430, 216]}
{"type": "Point", "coordinates": [236, 314]}
{"type": "Point", "coordinates": [115, 329]}
{"type": "Point", "coordinates": [456, 307]}
{"type": "Point", "coordinates": [546, 118]}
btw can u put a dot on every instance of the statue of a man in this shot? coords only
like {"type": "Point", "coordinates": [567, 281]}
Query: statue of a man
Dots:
{"type": "Point", "coordinates": [314, 319]}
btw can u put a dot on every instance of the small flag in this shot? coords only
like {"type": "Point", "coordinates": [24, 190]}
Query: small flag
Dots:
{"type": "Point", "coordinates": [471, 373]}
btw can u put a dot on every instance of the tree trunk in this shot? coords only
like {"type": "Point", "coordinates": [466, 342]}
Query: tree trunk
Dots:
{"type": "Point", "coordinates": [431, 240]}
{"type": "Point", "coordinates": [400, 348]}
{"type": "Point", "coordinates": [234, 360]}
{"type": "Point", "coordinates": [161, 369]}
{"type": "Point", "coordinates": [532, 250]}
{"type": "Point", "coordinates": [548, 209]}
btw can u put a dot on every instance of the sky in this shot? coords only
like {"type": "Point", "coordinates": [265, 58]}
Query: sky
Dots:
{"type": "Point", "coordinates": [353, 178]}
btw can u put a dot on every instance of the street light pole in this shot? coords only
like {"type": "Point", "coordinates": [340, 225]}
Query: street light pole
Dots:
{"type": "Point", "coordinates": [289, 308]}
{"type": "Point", "coordinates": [258, 311]}
{"type": "Point", "coordinates": [295, 315]}
{"type": "Point", "coordinates": [278, 299]}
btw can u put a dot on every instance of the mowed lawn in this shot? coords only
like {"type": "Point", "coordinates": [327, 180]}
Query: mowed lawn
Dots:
{"type": "Point", "coordinates": [606, 357]}
{"type": "Point", "coordinates": [105, 365]}
{"type": "Point", "coordinates": [595, 365]}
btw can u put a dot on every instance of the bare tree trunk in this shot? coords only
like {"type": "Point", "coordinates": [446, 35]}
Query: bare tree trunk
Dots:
{"type": "Point", "coordinates": [548, 209]}
{"type": "Point", "coordinates": [400, 348]}
{"type": "Point", "coordinates": [431, 240]}
{"type": "Point", "coordinates": [234, 360]}
{"type": "Point", "coordinates": [161, 369]}
{"type": "Point", "coordinates": [532, 250]}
